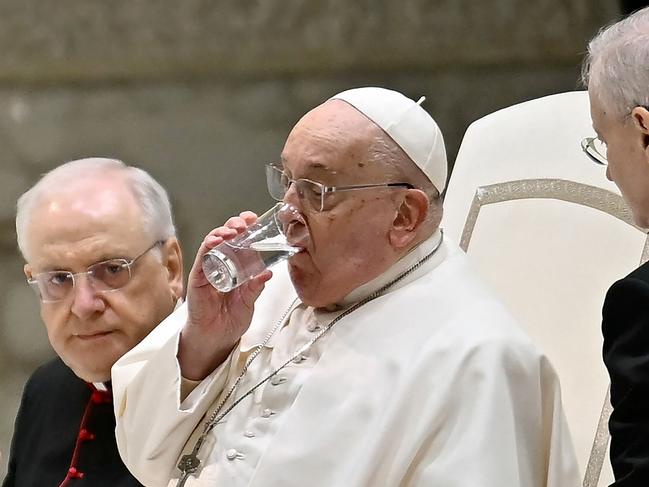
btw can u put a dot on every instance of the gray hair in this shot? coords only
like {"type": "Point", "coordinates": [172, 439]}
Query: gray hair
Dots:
{"type": "Point", "coordinates": [616, 67]}
{"type": "Point", "coordinates": [399, 167]}
{"type": "Point", "coordinates": [152, 197]}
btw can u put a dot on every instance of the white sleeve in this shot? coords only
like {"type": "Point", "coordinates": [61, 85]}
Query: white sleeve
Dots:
{"type": "Point", "coordinates": [152, 423]}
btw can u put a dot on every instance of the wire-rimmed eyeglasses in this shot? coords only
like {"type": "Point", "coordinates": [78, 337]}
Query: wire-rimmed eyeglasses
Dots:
{"type": "Point", "coordinates": [105, 276]}
{"type": "Point", "coordinates": [316, 195]}
{"type": "Point", "coordinates": [595, 149]}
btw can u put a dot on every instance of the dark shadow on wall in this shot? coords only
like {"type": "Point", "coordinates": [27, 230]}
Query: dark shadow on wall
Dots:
{"type": "Point", "coordinates": [629, 6]}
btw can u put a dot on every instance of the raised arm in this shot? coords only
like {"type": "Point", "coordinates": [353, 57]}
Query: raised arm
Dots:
{"type": "Point", "coordinates": [163, 386]}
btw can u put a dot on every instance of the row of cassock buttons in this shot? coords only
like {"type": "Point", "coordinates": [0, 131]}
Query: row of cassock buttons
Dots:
{"type": "Point", "coordinates": [233, 453]}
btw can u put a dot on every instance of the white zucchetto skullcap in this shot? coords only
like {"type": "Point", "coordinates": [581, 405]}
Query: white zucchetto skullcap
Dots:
{"type": "Point", "coordinates": [407, 123]}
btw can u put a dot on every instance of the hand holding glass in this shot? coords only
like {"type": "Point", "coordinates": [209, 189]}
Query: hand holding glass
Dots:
{"type": "Point", "coordinates": [262, 245]}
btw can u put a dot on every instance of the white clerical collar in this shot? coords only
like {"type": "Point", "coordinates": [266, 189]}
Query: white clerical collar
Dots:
{"type": "Point", "coordinates": [407, 261]}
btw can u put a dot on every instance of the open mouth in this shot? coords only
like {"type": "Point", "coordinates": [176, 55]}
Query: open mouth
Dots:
{"type": "Point", "coordinates": [297, 234]}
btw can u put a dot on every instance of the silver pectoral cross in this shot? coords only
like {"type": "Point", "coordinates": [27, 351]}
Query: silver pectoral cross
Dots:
{"type": "Point", "coordinates": [190, 463]}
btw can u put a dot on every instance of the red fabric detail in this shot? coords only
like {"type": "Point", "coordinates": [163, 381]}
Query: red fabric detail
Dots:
{"type": "Point", "coordinates": [101, 397]}
{"type": "Point", "coordinates": [97, 397]}
{"type": "Point", "coordinates": [74, 473]}
{"type": "Point", "coordinates": [86, 435]}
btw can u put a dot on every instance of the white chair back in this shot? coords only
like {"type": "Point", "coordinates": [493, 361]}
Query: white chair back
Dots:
{"type": "Point", "coordinates": [550, 234]}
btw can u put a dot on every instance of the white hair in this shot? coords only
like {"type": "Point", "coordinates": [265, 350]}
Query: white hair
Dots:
{"type": "Point", "coordinates": [616, 67]}
{"type": "Point", "coordinates": [152, 197]}
{"type": "Point", "coordinates": [399, 167]}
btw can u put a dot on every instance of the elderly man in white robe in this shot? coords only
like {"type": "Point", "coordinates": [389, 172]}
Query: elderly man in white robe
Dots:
{"type": "Point", "coordinates": [378, 359]}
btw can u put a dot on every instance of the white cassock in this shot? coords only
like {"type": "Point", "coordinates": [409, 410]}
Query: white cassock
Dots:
{"type": "Point", "coordinates": [431, 384]}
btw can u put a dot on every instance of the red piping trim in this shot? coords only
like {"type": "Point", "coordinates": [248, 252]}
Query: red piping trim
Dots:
{"type": "Point", "coordinates": [97, 397]}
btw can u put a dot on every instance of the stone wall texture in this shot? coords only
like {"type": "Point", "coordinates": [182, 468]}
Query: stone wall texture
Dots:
{"type": "Point", "coordinates": [202, 93]}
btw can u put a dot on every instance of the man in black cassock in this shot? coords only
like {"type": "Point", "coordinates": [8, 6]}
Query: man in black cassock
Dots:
{"type": "Point", "coordinates": [617, 76]}
{"type": "Point", "coordinates": [103, 259]}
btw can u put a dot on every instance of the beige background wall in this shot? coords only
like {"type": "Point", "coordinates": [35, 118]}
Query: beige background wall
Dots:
{"type": "Point", "coordinates": [203, 92]}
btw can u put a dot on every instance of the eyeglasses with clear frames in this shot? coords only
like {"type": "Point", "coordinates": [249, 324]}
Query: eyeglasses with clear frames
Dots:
{"type": "Point", "coordinates": [595, 149]}
{"type": "Point", "coordinates": [315, 194]}
{"type": "Point", "coordinates": [106, 276]}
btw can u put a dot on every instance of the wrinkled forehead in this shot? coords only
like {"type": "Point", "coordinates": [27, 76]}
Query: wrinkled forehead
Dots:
{"type": "Point", "coordinates": [336, 113]}
{"type": "Point", "coordinates": [333, 137]}
{"type": "Point", "coordinates": [82, 209]}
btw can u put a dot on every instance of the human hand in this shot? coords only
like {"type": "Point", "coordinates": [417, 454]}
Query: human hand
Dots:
{"type": "Point", "coordinates": [215, 320]}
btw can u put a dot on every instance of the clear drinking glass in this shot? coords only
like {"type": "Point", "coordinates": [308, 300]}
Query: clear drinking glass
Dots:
{"type": "Point", "coordinates": [262, 245]}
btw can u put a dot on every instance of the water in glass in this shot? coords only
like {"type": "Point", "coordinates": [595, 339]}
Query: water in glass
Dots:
{"type": "Point", "coordinates": [227, 266]}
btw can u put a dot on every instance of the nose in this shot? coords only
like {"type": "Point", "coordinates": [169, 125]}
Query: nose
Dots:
{"type": "Point", "coordinates": [294, 225]}
{"type": "Point", "coordinates": [292, 196]}
{"type": "Point", "coordinates": [86, 300]}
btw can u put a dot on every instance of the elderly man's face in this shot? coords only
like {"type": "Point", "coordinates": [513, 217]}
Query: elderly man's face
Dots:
{"type": "Point", "coordinates": [628, 157]}
{"type": "Point", "coordinates": [88, 223]}
{"type": "Point", "coordinates": [349, 243]}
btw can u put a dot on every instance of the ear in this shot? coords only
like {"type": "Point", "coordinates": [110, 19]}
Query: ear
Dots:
{"type": "Point", "coordinates": [640, 118]}
{"type": "Point", "coordinates": [411, 214]}
{"type": "Point", "coordinates": [27, 269]}
{"type": "Point", "coordinates": [172, 260]}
